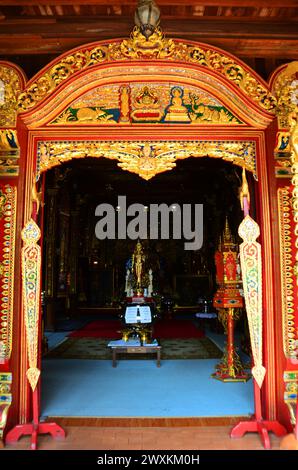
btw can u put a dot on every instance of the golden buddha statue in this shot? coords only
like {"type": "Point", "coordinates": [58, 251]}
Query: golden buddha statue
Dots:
{"type": "Point", "coordinates": [138, 259]}
{"type": "Point", "coordinates": [177, 111]}
{"type": "Point", "coordinates": [124, 91]}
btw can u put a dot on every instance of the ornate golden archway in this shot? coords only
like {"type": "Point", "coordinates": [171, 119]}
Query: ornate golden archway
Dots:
{"type": "Point", "coordinates": [61, 117]}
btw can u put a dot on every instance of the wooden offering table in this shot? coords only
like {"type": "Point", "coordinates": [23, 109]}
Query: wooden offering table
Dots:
{"type": "Point", "coordinates": [134, 347]}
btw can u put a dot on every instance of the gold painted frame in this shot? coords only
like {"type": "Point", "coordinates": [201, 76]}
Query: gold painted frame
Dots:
{"type": "Point", "coordinates": [68, 76]}
{"type": "Point", "coordinates": [144, 158]}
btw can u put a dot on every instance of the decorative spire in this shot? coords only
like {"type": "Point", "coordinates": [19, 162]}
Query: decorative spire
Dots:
{"type": "Point", "coordinates": [227, 236]}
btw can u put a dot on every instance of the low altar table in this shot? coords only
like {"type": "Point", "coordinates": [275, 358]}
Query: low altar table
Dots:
{"type": "Point", "coordinates": [134, 347]}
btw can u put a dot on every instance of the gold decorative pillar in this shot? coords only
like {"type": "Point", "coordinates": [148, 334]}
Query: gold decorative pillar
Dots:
{"type": "Point", "coordinates": [8, 199]}
{"type": "Point", "coordinates": [8, 195]}
{"type": "Point", "coordinates": [228, 301]}
{"type": "Point", "coordinates": [12, 82]}
{"type": "Point", "coordinates": [285, 87]}
{"type": "Point", "coordinates": [294, 161]}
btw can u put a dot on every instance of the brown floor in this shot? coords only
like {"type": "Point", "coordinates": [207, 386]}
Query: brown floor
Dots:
{"type": "Point", "coordinates": [149, 438]}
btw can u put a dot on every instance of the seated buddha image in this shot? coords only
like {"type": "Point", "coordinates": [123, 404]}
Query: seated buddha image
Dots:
{"type": "Point", "coordinates": [147, 106]}
{"type": "Point", "coordinates": [177, 111]}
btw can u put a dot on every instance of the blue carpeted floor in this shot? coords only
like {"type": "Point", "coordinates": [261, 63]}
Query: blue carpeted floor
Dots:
{"type": "Point", "coordinates": [137, 388]}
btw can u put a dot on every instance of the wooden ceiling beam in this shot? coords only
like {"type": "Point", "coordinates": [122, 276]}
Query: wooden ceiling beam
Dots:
{"type": "Point", "coordinates": [254, 48]}
{"type": "Point", "coordinates": [241, 20]}
{"type": "Point", "coordinates": [206, 3]}
{"type": "Point", "coordinates": [121, 27]}
{"type": "Point", "coordinates": [36, 45]}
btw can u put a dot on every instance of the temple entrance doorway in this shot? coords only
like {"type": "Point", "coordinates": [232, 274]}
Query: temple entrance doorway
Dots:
{"type": "Point", "coordinates": [84, 282]}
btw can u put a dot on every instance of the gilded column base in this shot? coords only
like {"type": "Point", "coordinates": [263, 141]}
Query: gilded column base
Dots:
{"type": "Point", "coordinates": [230, 370]}
{"type": "Point", "coordinates": [230, 373]}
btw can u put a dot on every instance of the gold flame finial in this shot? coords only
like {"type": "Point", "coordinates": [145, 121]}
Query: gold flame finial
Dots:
{"type": "Point", "coordinates": [227, 238]}
{"type": "Point", "coordinates": [244, 190]}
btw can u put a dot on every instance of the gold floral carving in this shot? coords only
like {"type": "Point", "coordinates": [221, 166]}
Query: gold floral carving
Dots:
{"type": "Point", "coordinates": [156, 47]}
{"type": "Point", "coordinates": [12, 89]}
{"type": "Point", "coordinates": [294, 161]}
{"type": "Point", "coordinates": [146, 159]}
{"type": "Point", "coordinates": [59, 72]}
{"type": "Point", "coordinates": [286, 92]}
{"type": "Point", "coordinates": [286, 270]}
{"type": "Point", "coordinates": [146, 164]}
{"type": "Point", "coordinates": [139, 47]}
{"type": "Point", "coordinates": [8, 229]}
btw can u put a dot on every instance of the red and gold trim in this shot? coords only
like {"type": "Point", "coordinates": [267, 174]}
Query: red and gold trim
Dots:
{"type": "Point", "coordinates": [42, 105]}
{"type": "Point", "coordinates": [287, 272]}
{"type": "Point", "coordinates": [144, 158]}
{"type": "Point", "coordinates": [119, 75]}
{"type": "Point", "coordinates": [8, 195]}
{"type": "Point", "coordinates": [156, 48]}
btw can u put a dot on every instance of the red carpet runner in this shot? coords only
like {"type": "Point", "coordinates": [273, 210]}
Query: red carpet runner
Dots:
{"type": "Point", "coordinates": [161, 329]}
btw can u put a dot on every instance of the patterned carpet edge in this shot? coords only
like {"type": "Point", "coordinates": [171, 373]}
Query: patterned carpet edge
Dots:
{"type": "Point", "coordinates": [97, 349]}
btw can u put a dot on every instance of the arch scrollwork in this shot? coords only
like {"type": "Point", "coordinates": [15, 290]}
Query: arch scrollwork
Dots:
{"type": "Point", "coordinates": [156, 47]}
{"type": "Point", "coordinates": [11, 85]}
{"type": "Point", "coordinates": [143, 158]}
